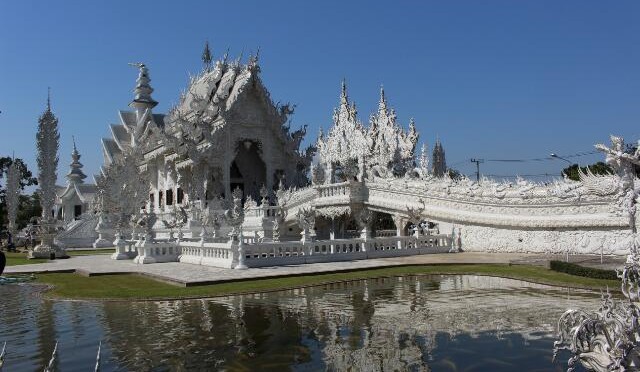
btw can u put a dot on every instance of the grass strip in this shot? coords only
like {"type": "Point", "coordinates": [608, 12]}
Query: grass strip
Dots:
{"type": "Point", "coordinates": [20, 258]}
{"type": "Point", "coordinates": [137, 287]}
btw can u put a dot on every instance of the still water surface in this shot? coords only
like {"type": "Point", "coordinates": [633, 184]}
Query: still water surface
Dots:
{"type": "Point", "coordinates": [427, 323]}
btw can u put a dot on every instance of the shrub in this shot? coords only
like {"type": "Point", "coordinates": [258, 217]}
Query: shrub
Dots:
{"type": "Point", "coordinates": [589, 272]}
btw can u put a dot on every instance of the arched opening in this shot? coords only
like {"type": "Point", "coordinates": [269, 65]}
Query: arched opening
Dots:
{"type": "Point", "coordinates": [248, 170]}
{"type": "Point", "coordinates": [383, 225]}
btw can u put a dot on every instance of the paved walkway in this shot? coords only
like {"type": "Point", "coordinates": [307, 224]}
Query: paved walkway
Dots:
{"type": "Point", "coordinates": [188, 275]}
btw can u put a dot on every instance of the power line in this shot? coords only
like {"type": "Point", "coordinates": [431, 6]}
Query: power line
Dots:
{"type": "Point", "coordinates": [548, 158]}
{"type": "Point", "coordinates": [521, 175]}
{"type": "Point", "coordinates": [543, 159]}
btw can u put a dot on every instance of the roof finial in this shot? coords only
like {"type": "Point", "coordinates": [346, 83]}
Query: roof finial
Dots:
{"type": "Point", "coordinates": [143, 90]}
{"type": "Point", "coordinates": [75, 174]}
{"type": "Point", "coordinates": [252, 64]}
{"type": "Point", "coordinates": [343, 92]}
{"type": "Point", "coordinates": [225, 56]}
{"type": "Point", "coordinates": [48, 98]}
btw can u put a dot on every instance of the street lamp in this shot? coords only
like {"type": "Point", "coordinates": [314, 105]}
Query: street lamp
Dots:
{"type": "Point", "coordinates": [555, 156]}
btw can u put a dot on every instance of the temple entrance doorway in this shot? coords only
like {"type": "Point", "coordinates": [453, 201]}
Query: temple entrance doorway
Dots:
{"type": "Point", "coordinates": [383, 225]}
{"type": "Point", "coordinates": [248, 170]}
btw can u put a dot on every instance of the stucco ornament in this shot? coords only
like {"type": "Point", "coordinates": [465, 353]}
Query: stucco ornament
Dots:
{"type": "Point", "coordinates": [306, 219]}
{"type": "Point", "coordinates": [175, 219]}
{"type": "Point", "coordinates": [235, 215]}
{"type": "Point", "coordinates": [211, 222]}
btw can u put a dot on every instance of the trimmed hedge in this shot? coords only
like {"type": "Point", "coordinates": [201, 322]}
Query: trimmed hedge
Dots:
{"type": "Point", "coordinates": [589, 272]}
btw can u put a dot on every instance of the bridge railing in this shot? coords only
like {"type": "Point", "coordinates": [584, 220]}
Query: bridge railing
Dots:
{"type": "Point", "coordinates": [334, 189]}
{"type": "Point", "coordinates": [210, 254]}
{"type": "Point", "coordinates": [298, 252]}
{"type": "Point", "coordinates": [260, 211]}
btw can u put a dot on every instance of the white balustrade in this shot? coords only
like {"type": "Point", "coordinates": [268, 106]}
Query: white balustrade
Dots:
{"type": "Point", "coordinates": [297, 252]}
{"type": "Point", "coordinates": [210, 254]}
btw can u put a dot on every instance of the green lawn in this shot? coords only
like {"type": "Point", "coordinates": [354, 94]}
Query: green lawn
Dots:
{"type": "Point", "coordinates": [20, 258]}
{"type": "Point", "coordinates": [91, 251]}
{"type": "Point", "coordinates": [140, 287]}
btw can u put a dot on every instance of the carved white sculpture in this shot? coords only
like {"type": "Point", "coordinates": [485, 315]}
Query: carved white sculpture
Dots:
{"type": "Point", "coordinates": [47, 143]}
{"type": "Point", "coordinates": [123, 189]}
{"type": "Point", "coordinates": [306, 219]}
{"type": "Point", "coordinates": [609, 339]}
{"type": "Point", "coordinates": [235, 217]}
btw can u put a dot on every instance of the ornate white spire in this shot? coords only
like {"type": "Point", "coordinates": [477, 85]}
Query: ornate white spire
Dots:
{"type": "Point", "coordinates": [346, 140]}
{"type": "Point", "coordinates": [75, 174]}
{"type": "Point", "coordinates": [47, 142]}
{"type": "Point", "coordinates": [389, 144]}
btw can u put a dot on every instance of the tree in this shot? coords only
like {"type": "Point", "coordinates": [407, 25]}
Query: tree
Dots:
{"type": "Point", "coordinates": [598, 168]}
{"type": "Point", "coordinates": [26, 180]}
{"type": "Point", "coordinates": [454, 174]}
{"type": "Point", "coordinates": [27, 176]}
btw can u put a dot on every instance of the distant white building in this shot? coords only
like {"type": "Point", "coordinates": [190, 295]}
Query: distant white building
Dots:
{"type": "Point", "coordinates": [75, 198]}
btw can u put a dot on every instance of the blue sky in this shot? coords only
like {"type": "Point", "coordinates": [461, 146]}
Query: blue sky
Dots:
{"type": "Point", "coordinates": [492, 79]}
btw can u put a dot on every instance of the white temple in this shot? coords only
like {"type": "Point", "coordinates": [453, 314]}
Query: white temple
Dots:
{"type": "Point", "coordinates": [166, 190]}
{"type": "Point", "coordinates": [76, 197]}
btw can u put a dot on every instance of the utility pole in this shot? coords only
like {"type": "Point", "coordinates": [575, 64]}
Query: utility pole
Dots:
{"type": "Point", "coordinates": [477, 161]}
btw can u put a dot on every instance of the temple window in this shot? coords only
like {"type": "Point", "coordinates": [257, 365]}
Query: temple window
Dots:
{"type": "Point", "coordinates": [160, 199]}
{"type": "Point", "coordinates": [180, 196]}
{"type": "Point", "coordinates": [169, 197]}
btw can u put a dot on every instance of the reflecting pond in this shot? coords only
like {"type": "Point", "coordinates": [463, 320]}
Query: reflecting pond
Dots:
{"type": "Point", "coordinates": [437, 323]}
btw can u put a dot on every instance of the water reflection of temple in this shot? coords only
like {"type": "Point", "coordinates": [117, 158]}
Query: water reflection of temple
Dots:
{"type": "Point", "coordinates": [377, 324]}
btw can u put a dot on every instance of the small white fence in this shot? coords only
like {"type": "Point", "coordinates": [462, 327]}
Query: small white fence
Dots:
{"type": "Point", "coordinates": [296, 252]}
{"type": "Point", "coordinates": [208, 254]}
